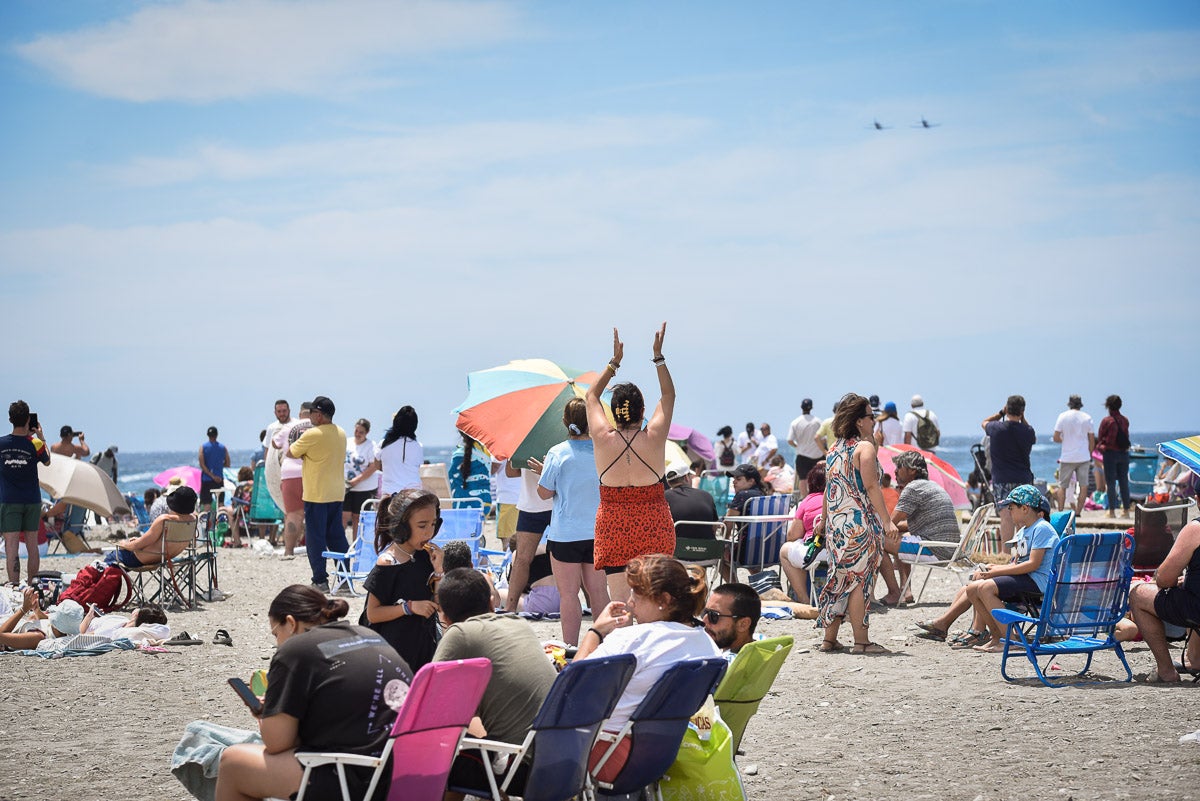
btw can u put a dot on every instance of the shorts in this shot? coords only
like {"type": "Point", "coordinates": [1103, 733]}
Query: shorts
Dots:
{"type": "Point", "coordinates": [293, 495]}
{"type": "Point", "coordinates": [1010, 588]}
{"type": "Point", "coordinates": [123, 557]}
{"type": "Point", "coordinates": [533, 522]}
{"type": "Point", "coordinates": [575, 553]}
{"type": "Point", "coordinates": [1000, 491]}
{"type": "Point", "coordinates": [19, 517]}
{"type": "Point", "coordinates": [543, 600]}
{"type": "Point", "coordinates": [803, 465]}
{"type": "Point", "coordinates": [1177, 605]}
{"type": "Point", "coordinates": [355, 499]}
{"type": "Point", "coordinates": [1079, 469]}
{"type": "Point", "coordinates": [206, 491]}
{"type": "Point", "coordinates": [612, 767]}
{"type": "Point", "coordinates": [506, 520]}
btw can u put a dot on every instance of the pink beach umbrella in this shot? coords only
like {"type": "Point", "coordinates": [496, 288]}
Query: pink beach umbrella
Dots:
{"type": "Point", "coordinates": [189, 474]}
{"type": "Point", "coordinates": [941, 472]}
{"type": "Point", "coordinates": [696, 444]}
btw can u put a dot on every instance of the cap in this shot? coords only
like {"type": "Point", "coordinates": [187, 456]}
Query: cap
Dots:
{"type": "Point", "coordinates": [323, 405]}
{"type": "Point", "coordinates": [747, 471]}
{"type": "Point", "coordinates": [677, 470]}
{"type": "Point", "coordinates": [66, 431]}
{"type": "Point", "coordinates": [806, 405]}
{"type": "Point", "coordinates": [917, 401]}
{"type": "Point", "coordinates": [874, 401]}
{"type": "Point", "coordinates": [1026, 495]}
{"type": "Point", "coordinates": [212, 431]}
{"type": "Point", "coordinates": [890, 406]}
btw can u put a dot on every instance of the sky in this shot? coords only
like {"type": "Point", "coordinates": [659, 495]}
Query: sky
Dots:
{"type": "Point", "coordinates": [209, 205]}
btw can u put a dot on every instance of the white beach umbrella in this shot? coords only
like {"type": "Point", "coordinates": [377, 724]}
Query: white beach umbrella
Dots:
{"type": "Point", "coordinates": [82, 484]}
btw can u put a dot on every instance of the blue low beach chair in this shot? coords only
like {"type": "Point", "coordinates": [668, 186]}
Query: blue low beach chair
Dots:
{"type": "Point", "coordinates": [555, 751]}
{"type": "Point", "coordinates": [355, 564]}
{"type": "Point", "coordinates": [758, 543]}
{"type": "Point", "coordinates": [463, 524]}
{"type": "Point", "coordinates": [1086, 595]}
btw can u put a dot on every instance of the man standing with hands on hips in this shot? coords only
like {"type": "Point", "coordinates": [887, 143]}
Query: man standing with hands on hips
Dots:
{"type": "Point", "coordinates": [322, 450]}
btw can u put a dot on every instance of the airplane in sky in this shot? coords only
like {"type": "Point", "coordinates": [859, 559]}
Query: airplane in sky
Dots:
{"type": "Point", "coordinates": [927, 124]}
{"type": "Point", "coordinates": [879, 127]}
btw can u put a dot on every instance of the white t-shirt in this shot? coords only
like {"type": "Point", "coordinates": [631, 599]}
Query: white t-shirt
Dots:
{"type": "Point", "coordinates": [529, 500]}
{"type": "Point", "coordinates": [763, 452]}
{"type": "Point", "coordinates": [893, 434]}
{"type": "Point", "coordinates": [358, 459]}
{"type": "Point", "coordinates": [290, 467]}
{"type": "Point", "coordinates": [508, 490]}
{"type": "Point", "coordinates": [803, 432]}
{"type": "Point", "coordinates": [1074, 425]}
{"type": "Point", "coordinates": [401, 462]}
{"type": "Point", "coordinates": [657, 647]}
{"type": "Point", "coordinates": [744, 439]}
{"type": "Point", "coordinates": [910, 422]}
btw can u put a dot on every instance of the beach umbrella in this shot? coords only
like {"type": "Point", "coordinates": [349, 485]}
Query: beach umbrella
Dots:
{"type": "Point", "coordinates": [516, 409]}
{"type": "Point", "coordinates": [941, 472]}
{"type": "Point", "coordinates": [190, 475]}
{"type": "Point", "coordinates": [1186, 451]}
{"type": "Point", "coordinates": [81, 484]}
{"type": "Point", "coordinates": [696, 444]}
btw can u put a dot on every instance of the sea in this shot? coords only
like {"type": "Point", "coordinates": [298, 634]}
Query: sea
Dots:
{"type": "Point", "coordinates": [136, 471]}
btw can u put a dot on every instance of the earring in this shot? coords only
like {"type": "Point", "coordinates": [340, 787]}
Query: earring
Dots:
{"type": "Point", "coordinates": [660, 608]}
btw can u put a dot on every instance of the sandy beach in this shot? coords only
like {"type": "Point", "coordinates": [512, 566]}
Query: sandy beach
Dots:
{"type": "Point", "coordinates": [926, 722]}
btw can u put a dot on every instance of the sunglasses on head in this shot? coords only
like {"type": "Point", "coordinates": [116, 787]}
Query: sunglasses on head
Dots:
{"type": "Point", "coordinates": [714, 617]}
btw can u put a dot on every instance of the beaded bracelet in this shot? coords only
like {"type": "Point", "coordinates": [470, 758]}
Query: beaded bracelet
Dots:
{"type": "Point", "coordinates": [614, 367]}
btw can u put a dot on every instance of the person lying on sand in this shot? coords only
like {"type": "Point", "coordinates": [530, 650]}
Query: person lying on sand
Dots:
{"type": "Point", "coordinates": [62, 621]}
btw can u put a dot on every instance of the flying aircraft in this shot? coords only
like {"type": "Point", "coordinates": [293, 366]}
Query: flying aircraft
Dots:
{"type": "Point", "coordinates": [879, 127]}
{"type": "Point", "coordinates": [927, 124]}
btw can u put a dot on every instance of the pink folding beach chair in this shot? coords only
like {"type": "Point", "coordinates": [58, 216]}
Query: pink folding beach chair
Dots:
{"type": "Point", "coordinates": [425, 737]}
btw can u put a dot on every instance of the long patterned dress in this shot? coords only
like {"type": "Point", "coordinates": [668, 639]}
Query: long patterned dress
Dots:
{"type": "Point", "coordinates": [853, 535]}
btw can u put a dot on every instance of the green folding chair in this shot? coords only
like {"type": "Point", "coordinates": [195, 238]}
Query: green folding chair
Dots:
{"type": "Point", "coordinates": [747, 681]}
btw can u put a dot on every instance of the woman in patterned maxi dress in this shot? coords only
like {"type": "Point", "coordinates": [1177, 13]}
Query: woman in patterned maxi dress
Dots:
{"type": "Point", "coordinates": [856, 521]}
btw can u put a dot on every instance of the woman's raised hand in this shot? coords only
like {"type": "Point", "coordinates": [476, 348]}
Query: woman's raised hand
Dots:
{"type": "Point", "coordinates": [618, 348]}
{"type": "Point", "coordinates": [534, 465]}
{"type": "Point", "coordinates": [29, 599]}
{"type": "Point", "coordinates": [658, 340]}
{"type": "Point", "coordinates": [614, 616]}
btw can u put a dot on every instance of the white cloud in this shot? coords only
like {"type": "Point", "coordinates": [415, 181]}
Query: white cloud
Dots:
{"type": "Point", "coordinates": [206, 50]}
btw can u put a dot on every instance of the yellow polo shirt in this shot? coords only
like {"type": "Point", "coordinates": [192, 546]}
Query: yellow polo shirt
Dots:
{"type": "Point", "coordinates": [322, 451]}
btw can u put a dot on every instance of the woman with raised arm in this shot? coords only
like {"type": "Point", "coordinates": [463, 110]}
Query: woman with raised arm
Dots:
{"type": "Point", "coordinates": [633, 519]}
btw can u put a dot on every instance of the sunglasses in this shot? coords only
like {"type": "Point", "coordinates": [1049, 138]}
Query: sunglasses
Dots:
{"type": "Point", "coordinates": [714, 617]}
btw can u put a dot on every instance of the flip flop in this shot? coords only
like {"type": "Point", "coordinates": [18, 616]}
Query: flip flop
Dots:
{"type": "Point", "coordinates": [969, 639]}
{"type": "Point", "coordinates": [222, 638]}
{"type": "Point", "coordinates": [930, 631]}
{"type": "Point", "coordinates": [868, 649]}
{"type": "Point", "coordinates": [183, 638]}
{"type": "Point", "coordinates": [833, 647]}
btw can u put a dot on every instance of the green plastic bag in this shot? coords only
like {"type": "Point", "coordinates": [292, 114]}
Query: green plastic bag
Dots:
{"type": "Point", "coordinates": [704, 769]}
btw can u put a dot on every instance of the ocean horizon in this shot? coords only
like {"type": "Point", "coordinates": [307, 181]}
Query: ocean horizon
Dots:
{"type": "Point", "coordinates": [137, 470]}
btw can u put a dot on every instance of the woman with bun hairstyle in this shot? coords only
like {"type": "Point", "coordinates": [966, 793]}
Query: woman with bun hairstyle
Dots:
{"type": "Point", "coordinates": [402, 586]}
{"type": "Point", "coordinates": [664, 600]}
{"type": "Point", "coordinates": [331, 686]}
{"type": "Point", "coordinates": [633, 519]}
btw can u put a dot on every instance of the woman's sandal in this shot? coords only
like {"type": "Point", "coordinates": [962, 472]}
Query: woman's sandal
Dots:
{"type": "Point", "coordinates": [969, 639]}
{"type": "Point", "coordinates": [830, 647]}
{"type": "Point", "coordinates": [930, 631]}
{"type": "Point", "coordinates": [868, 649]}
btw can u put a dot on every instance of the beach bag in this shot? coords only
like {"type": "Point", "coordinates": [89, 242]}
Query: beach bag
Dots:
{"type": "Point", "coordinates": [704, 767]}
{"type": "Point", "coordinates": [928, 435]}
{"type": "Point", "coordinates": [109, 588]}
{"type": "Point", "coordinates": [727, 457]}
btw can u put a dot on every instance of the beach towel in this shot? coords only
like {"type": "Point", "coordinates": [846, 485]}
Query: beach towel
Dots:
{"type": "Point", "coordinates": [198, 755]}
{"type": "Point", "coordinates": [78, 645]}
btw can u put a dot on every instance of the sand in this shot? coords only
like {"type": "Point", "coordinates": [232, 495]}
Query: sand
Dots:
{"type": "Point", "coordinates": [927, 722]}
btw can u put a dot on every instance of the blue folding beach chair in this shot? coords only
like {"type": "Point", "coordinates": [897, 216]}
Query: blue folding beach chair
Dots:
{"type": "Point", "coordinates": [462, 524]}
{"type": "Point", "coordinates": [1086, 595]}
{"type": "Point", "coordinates": [554, 755]}
{"type": "Point", "coordinates": [356, 563]}
{"type": "Point", "coordinates": [758, 543]}
{"type": "Point", "coordinates": [657, 726]}
{"type": "Point", "coordinates": [138, 506]}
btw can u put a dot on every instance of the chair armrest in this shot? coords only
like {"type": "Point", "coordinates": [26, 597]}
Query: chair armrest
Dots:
{"type": "Point", "coordinates": [1007, 616]}
{"type": "Point", "coordinates": [316, 759]}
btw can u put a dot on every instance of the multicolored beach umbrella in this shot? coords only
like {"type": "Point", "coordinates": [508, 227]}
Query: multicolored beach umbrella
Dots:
{"type": "Point", "coordinates": [516, 409]}
{"type": "Point", "coordinates": [1186, 451]}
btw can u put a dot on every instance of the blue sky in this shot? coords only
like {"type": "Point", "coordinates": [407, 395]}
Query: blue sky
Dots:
{"type": "Point", "coordinates": [208, 205]}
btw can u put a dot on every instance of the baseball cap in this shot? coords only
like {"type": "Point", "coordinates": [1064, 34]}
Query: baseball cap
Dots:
{"type": "Point", "coordinates": [1026, 495]}
{"type": "Point", "coordinates": [677, 470]}
{"type": "Point", "coordinates": [323, 405]}
{"type": "Point", "coordinates": [212, 431]}
{"type": "Point", "coordinates": [66, 431]}
{"type": "Point", "coordinates": [747, 471]}
{"type": "Point", "coordinates": [890, 406]}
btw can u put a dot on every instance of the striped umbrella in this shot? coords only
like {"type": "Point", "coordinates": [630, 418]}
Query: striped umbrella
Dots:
{"type": "Point", "coordinates": [1186, 451]}
{"type": "Point", "coordinates": [516, 409]}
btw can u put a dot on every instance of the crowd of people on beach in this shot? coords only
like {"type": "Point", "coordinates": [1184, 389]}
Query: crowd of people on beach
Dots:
{"type": "Point", "coordinates": [592, 526]}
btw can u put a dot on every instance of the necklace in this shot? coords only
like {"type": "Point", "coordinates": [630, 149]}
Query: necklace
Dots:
{"type": "Point", "coordinates": [397, 551]}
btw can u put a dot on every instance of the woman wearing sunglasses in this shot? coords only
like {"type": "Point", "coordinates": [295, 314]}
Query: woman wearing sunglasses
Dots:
{"type": "Point", "coordinates": [401, 587]}
{"type": "Point", "coordinates": [664, 599]}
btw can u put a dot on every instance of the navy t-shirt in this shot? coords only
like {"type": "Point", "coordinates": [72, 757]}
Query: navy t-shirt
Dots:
{"type": "Point", "coordinates": [214, 460]}
{"type": "Point", "coordinates": [18, 470]}
{"type": "Point", "coordinates": [1011, 443]}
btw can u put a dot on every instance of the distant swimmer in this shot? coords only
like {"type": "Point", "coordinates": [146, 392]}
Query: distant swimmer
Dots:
{"type": "Point", "coordinates": [927, 124]}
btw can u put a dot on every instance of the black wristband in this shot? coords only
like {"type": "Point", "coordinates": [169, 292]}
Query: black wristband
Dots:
{"type": "Point", "coordinates": [597, 633]}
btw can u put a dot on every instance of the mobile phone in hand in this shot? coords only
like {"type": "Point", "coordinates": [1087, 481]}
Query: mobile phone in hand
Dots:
{"type": "Point", "coordinates": [33, 421]}
{"type": "Point", "coordinates": [247, 695]}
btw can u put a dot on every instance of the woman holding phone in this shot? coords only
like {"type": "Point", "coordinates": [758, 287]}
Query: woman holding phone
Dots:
{"type": "Point", "coordinates": [331, 686]}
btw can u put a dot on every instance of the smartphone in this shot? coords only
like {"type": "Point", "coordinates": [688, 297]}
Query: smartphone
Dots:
{"type": "Point", "coordinates": [247, 695]}
{"type": "Point", "coordinates": [33, 421]}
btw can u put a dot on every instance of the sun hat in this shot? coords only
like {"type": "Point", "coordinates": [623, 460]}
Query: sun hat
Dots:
{"type": "Point", "coordinates": [173, 484]}
{"type": "Point", "coordinates": [1026, 495]}
{"type": "Point", "coordinates": [677, 470]}
{"type": "Point", "coordinates": [182, 501]}
{"type": "Point", "coordinates": [66, 617]}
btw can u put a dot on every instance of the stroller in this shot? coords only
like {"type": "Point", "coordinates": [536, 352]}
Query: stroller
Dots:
{"type": "Point", "coordinates": [981, 477]}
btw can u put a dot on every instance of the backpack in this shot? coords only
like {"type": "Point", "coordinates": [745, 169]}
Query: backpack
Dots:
{"type": "Point", "coordinates": [928, 435]}
{"type": "Point", "coordinates": [109, 588]}
{"type": "Point", "coordinates": [727, 457]}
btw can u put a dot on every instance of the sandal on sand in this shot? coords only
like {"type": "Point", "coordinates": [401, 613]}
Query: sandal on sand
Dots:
{"type": "Point", "coordinates": [969, 639]}
{"type": "Point", "coordinates": [989, 648]}
{"type": "Point", "coordinates": [830, 647]}
{"type": "Point", "coordinates": [930, 631]}
{"type": "Point", "coordinates": [222, 638]}
{"type": "Point", "coordinates": [183, 638]}
{"type": "Point", "coordinates": [1153, 678]}
{"type": "Point", "coordinates": [868, 649]}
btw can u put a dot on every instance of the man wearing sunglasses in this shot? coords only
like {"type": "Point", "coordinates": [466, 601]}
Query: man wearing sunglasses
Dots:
{"type": "Point", "coordinates": [731, 615]}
